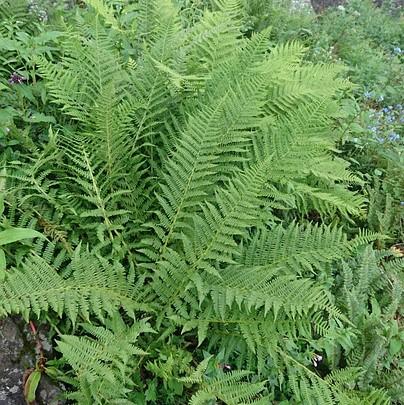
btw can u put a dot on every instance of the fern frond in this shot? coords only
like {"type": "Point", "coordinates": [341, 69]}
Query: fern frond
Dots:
{"type": "Point", "coordinates": [102, 360]}
{"type": "Point", "coordinates": [296, 248]}
{"type": "Point", "coordinates": [211, 42]}
{"type": "Point", "coordinates": [211, 237]}
{"type": "Point", "coordinates": [336, 388]}
{"type": "Point", "coordinates": [77, 86]}
{"type": "Point", "coordinates": [259, 287]}
{"type": "Point", "coordinates": [94, 287]}
{"type": "Point", "coordinates": [211, 142]}
{"type": "Point", "coordinates": [328, 201]}
{"type": "Point", "coordinates": [231, 388]}
{"type": "Point", "coordinates": [301, 147]}
{"type": "Point", "coordinates": [105, 11]}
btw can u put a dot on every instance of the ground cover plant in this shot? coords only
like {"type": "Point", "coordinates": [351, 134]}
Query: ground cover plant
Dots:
{"type": "Point", "coordinates": [185, 206]}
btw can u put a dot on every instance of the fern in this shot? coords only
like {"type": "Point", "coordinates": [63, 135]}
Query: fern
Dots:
{"type": "Point", "coordinates": [336, 388]}
{"type": "Point", "coordinates": [229, 388]}
{"type": "Point", "coordinates": [199, 169]}
{"type": "Point", "coordinates": [93, 287]}
{"type": "Point", "coordinates": [105, 11]}
{"type": "Point", "coordinates": [102, 362]}
{"type": "Point", "coordinates": [297, 248]}
{"type": "Point", "coordinates": [363, 277]}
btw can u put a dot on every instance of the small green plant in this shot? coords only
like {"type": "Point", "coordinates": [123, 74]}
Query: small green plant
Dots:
{"type": "Point", "coordinates": [10, 234]}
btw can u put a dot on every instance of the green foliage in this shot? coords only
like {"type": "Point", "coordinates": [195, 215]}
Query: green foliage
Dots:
{"type": "Point", "coordinates": [204, 228]}
{"type": "Point", "coordinates": [93, 286]}
{"type": "Point", "coordinates": [11, 235]}
{"type": "Point", "coordinates": [226, 387]}
{"type": "Point", "coordinates": [103, 360]}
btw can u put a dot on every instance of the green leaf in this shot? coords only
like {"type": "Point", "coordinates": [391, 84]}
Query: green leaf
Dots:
{"type": "Point", "coordinates": [52, 372]}
{"type": "Point", "coordinates": [1, 204]}
{"type": "Point", "coordinates": [9, 44]}
{"type": "Point", "coordinates": [395, 346]}
{"type": "Point", "coordinates": [356, 128]}
{"type": "Point", "coordinates": [6, 114]}
{"type": "Point", "coordinates": [15, 234]}
{"type": "Point", "coordinates": [2, 265]}
{"type": "Point", "coordinates": [47, 36]}
{"type": "Point", "coordinates": [151, 392]}
{"type": "Point", "coordinates": [31, 385]}
{"type": "Point", "coordinates": [39, 117]}
{"type": "Point", "coordinates": [25, 91]}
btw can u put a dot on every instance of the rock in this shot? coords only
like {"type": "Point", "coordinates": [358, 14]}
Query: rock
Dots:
{"type": "Point", "coordinates": [12, 359]}
{"type": "Point", "coordinates": [320, 5]}
{"type": "Point", "coordinates": [17, 354]}
{"type": "Point", "coordinates": [49, 393]}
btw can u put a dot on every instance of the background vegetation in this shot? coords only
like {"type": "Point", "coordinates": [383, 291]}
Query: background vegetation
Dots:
{"type": "Point", "coordinates": [204, 199]}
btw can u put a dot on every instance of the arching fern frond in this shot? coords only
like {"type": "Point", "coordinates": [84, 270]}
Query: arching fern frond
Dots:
{"type": "Point", "coordinates": [210, 239]}
{"type": "Point", "coordinates": [102, 360]}
{"type": "Point", "coordinates": [76, 85]}
{"type": "Point", "coordinates": [208, 150]}
{"type": "Point", "coordinates": [259, 287]}
{"type": "Point", "coordinates": [105, 11]}
{"type": "Point", "coordinates": [298, 248]}
{"type": "Point", "coordinates": [211, 42]}
{"type": "Point", "coordinates": [94, 287]}
{"type": "Point", "coordinates": [230, 388]}
{"type": "Point", "coordinates": [336, 388]}
{"type": "Point", "coordinates": [302, 169]}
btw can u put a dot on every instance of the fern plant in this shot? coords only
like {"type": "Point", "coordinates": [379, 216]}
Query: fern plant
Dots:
{"type": "Point", "coordinates": [378, 341]}
{"type": "Point", "coordinates": [166, 188]}
{"type": "Point", "coordinates": [102, 362]}
{"type": "Point", "coordinates": [226, 387]}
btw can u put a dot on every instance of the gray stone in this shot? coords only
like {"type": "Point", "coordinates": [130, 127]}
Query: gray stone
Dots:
{"type": "Point", "coordinates": [17, 354]}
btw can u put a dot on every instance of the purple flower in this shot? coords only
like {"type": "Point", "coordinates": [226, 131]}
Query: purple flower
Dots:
{"type": "Point", "coordinates": [15, 78]}
{"type": "Point", "coordinates": [367, 94]}
{"type": "Point", "coordinates": [397, 50]}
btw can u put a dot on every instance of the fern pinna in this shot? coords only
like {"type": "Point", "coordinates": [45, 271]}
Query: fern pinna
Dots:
{"type": "Point", "coordinates": [172, 175]}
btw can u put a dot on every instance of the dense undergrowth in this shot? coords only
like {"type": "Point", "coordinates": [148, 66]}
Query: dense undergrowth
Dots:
{"type": "Point", "coordinates": [204, 200]}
